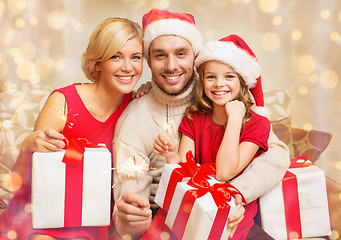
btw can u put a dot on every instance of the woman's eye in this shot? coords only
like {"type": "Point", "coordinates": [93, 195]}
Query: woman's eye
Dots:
{"type": "Point", "coordinates": [136, 57]}
{"type": "Point", "coordinates": [115, 57]}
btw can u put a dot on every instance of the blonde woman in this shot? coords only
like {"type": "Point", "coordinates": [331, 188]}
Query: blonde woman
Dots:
{"type": "Point", "coordinates": [113, 62]}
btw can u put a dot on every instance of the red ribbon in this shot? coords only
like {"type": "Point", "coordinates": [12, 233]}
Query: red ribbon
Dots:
{"type": "Point", "coordinates": [221, 193]}
{"type": "Point", "coordinates": [73, 159]}
{"type": "Point", "coordinates": [187, 169]}
{"type": "Point", "coordinates": [291, 198]}
{"type": "Point", "coordinates": [300, 162]}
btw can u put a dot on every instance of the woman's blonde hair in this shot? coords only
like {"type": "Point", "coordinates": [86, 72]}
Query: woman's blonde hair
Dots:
{"type": "Point", "coordinates": [106, 40]}
{"type": "Point", "coordinates": [204, 105]}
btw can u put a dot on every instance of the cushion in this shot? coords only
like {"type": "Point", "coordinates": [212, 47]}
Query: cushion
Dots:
{"type": "Point", "coordinates": [19, 108]}
{"type": "Point", "coordinates": [310, 143]}
{"type": "Point", "coordinates": [278, 102]}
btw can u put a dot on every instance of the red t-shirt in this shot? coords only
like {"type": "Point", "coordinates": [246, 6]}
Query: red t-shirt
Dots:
{"type": "Point", "coordinates": [208, 135]}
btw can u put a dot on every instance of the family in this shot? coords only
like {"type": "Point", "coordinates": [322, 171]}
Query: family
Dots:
{"type": "Point", "coordinates": [204, 97]}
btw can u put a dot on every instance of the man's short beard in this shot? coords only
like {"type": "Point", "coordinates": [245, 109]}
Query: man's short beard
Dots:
{"type": "Point", "coordinates": [182, 90]}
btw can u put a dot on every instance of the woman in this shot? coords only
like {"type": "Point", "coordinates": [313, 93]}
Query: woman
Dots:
{"type": "Point", "coordinates": [113, 62]}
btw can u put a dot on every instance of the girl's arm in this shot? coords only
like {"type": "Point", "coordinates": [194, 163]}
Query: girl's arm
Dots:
{"type": "Point", "coordinates": [233, 157]}
{"type": "Point", "coordinates": [45, 138]}
{"type": "Point", "coordinates": [186, 144]}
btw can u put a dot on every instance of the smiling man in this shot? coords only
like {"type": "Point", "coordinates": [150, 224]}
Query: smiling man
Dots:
{"type": "Point", "coordinates": [171, 43]}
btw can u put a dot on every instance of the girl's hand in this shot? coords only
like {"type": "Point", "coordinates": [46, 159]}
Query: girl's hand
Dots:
{"type": "Point", "coordinates": [235, 108]}
{"type": "Point", "coordinates": [164, 146]}
{"type": "Point", "coordinates": [44, 140]}
{"type": "Point", "coordinates": [142, 90]}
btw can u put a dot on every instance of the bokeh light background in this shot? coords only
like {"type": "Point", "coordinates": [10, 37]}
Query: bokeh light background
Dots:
{"type": "Point", "coordinates": [298, 44]}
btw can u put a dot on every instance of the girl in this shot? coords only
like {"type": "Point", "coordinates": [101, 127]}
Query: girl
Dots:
{"type": "Point", "coordinates": [221, 126]}
{"type": "Point", "coordinates": [113, 62]}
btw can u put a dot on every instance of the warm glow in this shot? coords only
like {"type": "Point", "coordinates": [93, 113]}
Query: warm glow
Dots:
{"type": "Point", "coordinates": [328, 79]}
{"type": "Point", "coordinates": [296, 34]}
{"type": "Point", "coordinates": [277, 21]}
{"type": "Point", "coordinates": [303, 90]}
{"type": "Point", "coordinates": [307, 126]}
{"type": "Point", "coordinates": [335, 36]}
{"type": "Point", "coordinates": [34, 21]}
{"type": "Point", "coordinates": [12, 181]}
{"type": "Point", "coordinates": [220, 3]}
{"type": "Point", "coordinates": [25, 70]}
{"type": "Point", "coordinates": [164, 236]}
{"type": "Point", "coordinates": [164, 3]}
{"type": "Point", "coordinates": [12, 234]}
{"type": "Point", "coordinates": [2, 8]}
{"type": "Point", "coordinates": [306, 64]}
{"type": "Point", "coordinates": [324, 14]}
{"type": "Point", "coordinates": [338, 165]}
{"type": "Point", "coordinates": [271, 41]}
{"type": "Point", "coordinates": [56, 20]}
{"type": "Point", "coordinates": [313, 78]}
{"type": "Point", "coordinates": [20, 23]}
{"type": "Point", "coordinates": [268, 6]}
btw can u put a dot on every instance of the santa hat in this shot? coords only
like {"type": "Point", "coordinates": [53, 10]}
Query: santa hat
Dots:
{"type": "Point", "coordinates": [158, 22]}
{"type": "Point", "coordinates": [234, 51]}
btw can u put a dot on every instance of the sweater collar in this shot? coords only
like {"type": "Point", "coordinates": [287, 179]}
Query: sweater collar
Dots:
{"type": "Point", "coordinates": [174, 100]}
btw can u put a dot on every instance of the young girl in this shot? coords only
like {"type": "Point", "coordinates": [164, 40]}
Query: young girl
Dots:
{"type": "Point", "coordinates": [221, 126]}
{"type": "Point", "coordinates": [113, 62]}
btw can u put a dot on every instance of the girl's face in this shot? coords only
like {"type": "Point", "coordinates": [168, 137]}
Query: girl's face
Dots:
{"type": "Point", "coordinates": [124, 68]}
{"type": "Point", "coordinates": [221, 83]}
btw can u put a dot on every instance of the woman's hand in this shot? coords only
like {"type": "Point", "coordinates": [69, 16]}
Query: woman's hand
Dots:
{"type": "Point", "coordinates": [44, 140]}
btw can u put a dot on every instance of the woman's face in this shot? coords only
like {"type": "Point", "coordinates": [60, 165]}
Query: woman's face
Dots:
{"type": "Point", "coordinates": [221, 83]}
{"type": "Point", "coordinates": [124, 68]}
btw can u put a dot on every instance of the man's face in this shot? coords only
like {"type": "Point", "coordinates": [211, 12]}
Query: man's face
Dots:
{"type": "Point", "coordinates": [171, 62]}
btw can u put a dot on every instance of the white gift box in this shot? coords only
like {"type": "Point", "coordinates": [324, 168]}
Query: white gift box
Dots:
{"type": "Point", "coordinates": [164, 182]}
{"type": "Point", "coordinates": [202, 215]}
{"type": "Point", "coordinates": [313, 206]}
{"type": "Point", "coordinates": [48, 188]}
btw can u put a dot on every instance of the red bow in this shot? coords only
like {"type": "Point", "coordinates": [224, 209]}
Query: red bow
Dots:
{"type": "Point", "coordinates": [74, 150]}
{"type": "Point", "coordinates": [187, 169]}
{"type": "Point", "coordinates": [300, 162]}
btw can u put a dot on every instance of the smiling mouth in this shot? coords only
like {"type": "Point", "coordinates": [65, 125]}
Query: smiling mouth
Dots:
{"type": "Point", "coordinates": [125, 78]}
{"type": "Point", "coordinates": [219, 93]}
{"type": "Point", "coordinates": [172, 78]}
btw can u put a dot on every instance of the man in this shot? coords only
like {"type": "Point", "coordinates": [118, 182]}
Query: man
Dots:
{"type": "Point", "coordinates": [170, 45]}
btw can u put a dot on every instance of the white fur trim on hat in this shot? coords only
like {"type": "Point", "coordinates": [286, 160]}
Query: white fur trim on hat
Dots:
{"type": "Point", "coordinates": [227, 52]}
{"type": "Point", "coordinates": [172, 27]}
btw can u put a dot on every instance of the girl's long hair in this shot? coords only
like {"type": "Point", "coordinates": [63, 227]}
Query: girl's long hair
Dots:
{"type": "Point", "coordinates": [204, 105]}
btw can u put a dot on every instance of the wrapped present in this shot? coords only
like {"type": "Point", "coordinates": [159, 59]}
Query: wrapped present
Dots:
{"type": "Point", "coordinates": [71, 188]}
{"type": "Point", "coordinates": [174, 173]}
{"type": "Point", "coordinates": [298, 206]}
{"type": "Point", "coordinates": [200, 208]}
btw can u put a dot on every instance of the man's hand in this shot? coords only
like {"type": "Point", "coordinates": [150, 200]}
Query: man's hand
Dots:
{"type": "Point", "coordinates": [236, 217]}
{"type": "Point", "coordinates": [142, 90]}
{"type": "Point", "coordinates": [132, 215]}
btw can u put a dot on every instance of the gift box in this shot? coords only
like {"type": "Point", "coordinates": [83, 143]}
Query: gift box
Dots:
{"type": "Point", "coordinates": [201, 212]}
{"type": "Point", "coordinates": [174, 173]}
{"type": "Point", "coordinates": [71, 195]}
{"type": "Point", "coordinates": [298, 206]}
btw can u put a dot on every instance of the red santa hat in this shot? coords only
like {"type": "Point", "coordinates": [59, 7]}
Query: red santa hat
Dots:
{"type": "Point", "coordinates": [234, 51]}
{"type": "Point", "coordinates": [158, 22]}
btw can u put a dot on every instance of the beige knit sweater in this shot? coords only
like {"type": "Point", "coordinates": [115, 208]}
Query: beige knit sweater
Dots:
{"type": "Point", "coordinates": [146, 117]}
